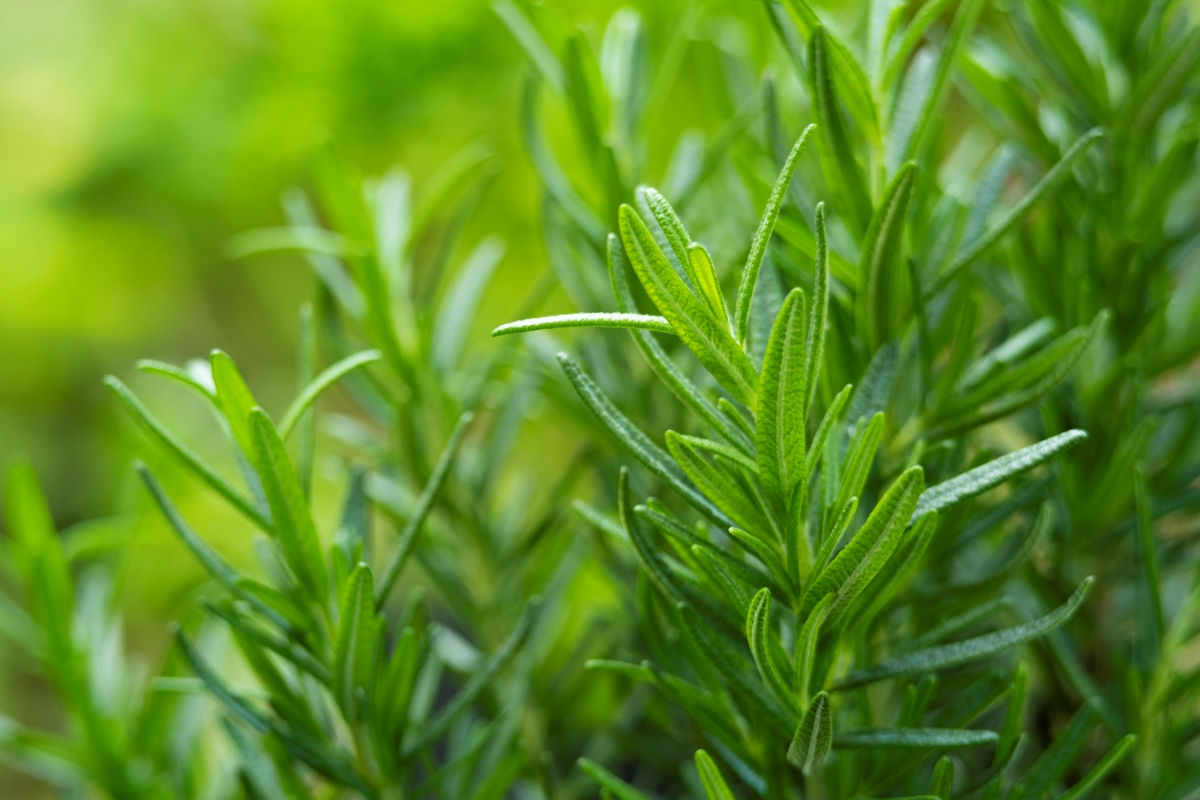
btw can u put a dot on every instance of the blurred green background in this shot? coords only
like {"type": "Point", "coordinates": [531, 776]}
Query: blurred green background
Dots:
{"type": "Point", "coordinates": [137, 137]}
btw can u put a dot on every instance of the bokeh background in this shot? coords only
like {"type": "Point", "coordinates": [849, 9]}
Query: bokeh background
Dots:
{"type": "Point", "coordinates": [137, 137]}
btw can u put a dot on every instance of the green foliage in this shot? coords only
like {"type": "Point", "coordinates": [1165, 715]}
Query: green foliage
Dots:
{"type": "Point", "coordinates": [910, 413]}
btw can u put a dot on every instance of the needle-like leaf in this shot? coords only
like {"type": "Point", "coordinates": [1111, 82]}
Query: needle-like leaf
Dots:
{"type": "Point", "coordinates": [703, 334]}
{"type": "Point", "coordinates": [881, 305]}
{"type": "Point", "coordinates": [992, 474]}
{"type": "Point", "coordinates": [953, 655]}
{"type": "Point", "coordinates": [912, 738]}
{"type": "Point", "coordinates": [647, 322]}
{"type": "Point", "coordinates": [1057, 174]}
{"type": "Point", "coordinates": [782, 398]}
{"type": "Point", "coordinates": [320, 384]}
{"type": "Point", "coordinates": [762, 237]}
{"type": "Point", "coordinates": [814, 736]}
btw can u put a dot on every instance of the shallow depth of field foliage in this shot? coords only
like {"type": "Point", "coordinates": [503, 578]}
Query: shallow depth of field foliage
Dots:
{"type": "Point", "coordinates": [837, 436]}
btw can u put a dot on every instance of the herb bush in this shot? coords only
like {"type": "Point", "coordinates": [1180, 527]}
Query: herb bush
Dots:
{"type": "Point", "coordinates": [893, 488]}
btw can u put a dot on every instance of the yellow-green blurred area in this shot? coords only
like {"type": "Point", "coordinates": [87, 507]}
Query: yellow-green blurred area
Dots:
{"type": "Point", "coordinates": [137, 137]}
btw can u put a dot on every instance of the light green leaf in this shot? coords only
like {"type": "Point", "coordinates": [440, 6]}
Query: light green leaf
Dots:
{"type": "Point", "coordinates": [992, 474]}
{"type": "Point", "coordinates": [611, 782]}
{"type": "Point", "coordinates": [452, 323]}
{"type": "Point", "coordinates": [871, 738]}
{"type": "Point", "coordinates": [235, 400]}
{"type": "Point", "coordinates": [179, 374]}
{"type": "Point", "coordinates": [646, 451]}
{"type": "Point", "coordinates": [814, 736]}
{"type": "Point", "coordinates": [320, 384]}
{"type": "Point", "coordinates": [724, 451]}
{"type": "Point", "coordinates": [292, 237]}
{"type": "Point", "coordinates": [292, 520]}
{"type": "Point", "coordinates": [806, 646]}
{"type": "Point", "coordinates": [531, 42]}
{"type": "Point", "coordinates": [926, 16]}
{"type": "Point", "coordinates": [952, 655]}
{"type": "Point", "coordinates": [257, 766]}
{"type": "Point", "coordinates": [964, 20]}
{"type": "Point", "coordinates": [703, 276]}
{"type": "Point", "coordinates": [762, 237]}
{"type": "Point", "coordinates": [408, 537]}
{"type": "Point", "coordinates": [882, 306]}
{"type": "Point", "coordinates": [662, 365]}
{"type": "Point", "coordinates": [763, 648]}
{"type": "Point", "coordinates": [46, 576]}
{"type": "Point", "coordinates": [356, 644]}
{"type": "Point", "coordinates": [708, 340]}
{"type": "Point", "coordinates": [866, 553]}
{"type": "Point", "coordinates": [711, 779]}
{"type": "Point", "coordinates": [852, 80]}
{"type": "Point", "coordinates": [782, 403]}
{"type": "Point", "coordinates": [159, 432]}
{"type": "Point", "coordinates": [716, 484]}
{"type": "Point", "coordinates": [647, 322]}
{"type": "Point", "coordinates": [842, 171]}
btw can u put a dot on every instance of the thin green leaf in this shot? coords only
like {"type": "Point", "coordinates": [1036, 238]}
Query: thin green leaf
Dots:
{"type": "Point", "coordinates": [831, 418]}
{"type": "Point", "coordinates": [814, 736]}
{"type": "Point", "coordinates": [762, 647]}
{"type": "Point", "coordinates": [814, 342]}
{"type": "Point", "coordinates": [1112, 759]}
{"type": "Point", "coordinates": [716, 484]}
{"type": "Point", "coordinates": [859, 461]}
{"type": "Point", "coordinates": [531, 42]}
{"type": "Point", "coordinates": [662, 365]}
{"type": "Point", "coordinates": [881, 309]}
{"type": "Point", "coordinates": [964, 20]}
{"type": "Point", "coordinates": [952, 655]}
{"type": "Point", "coordinates": [647, 322]}
{"type": "Point", "coordinates": [871, 738]}
{"type": "Point", "coordinates": [726, 452]}
{"type": "Point", "coordinates": [292, 520]}
{"type": "Point", "coordinates": [913, 34]}
{"type": "Point", "coordinates": [208, 558]}
{"type": "Point", "coordinates": [356, 643]}
{"type": "Point", "coordinates": [714, 784]}
{"type": "Point", "coordinates": [646, 451]}
{"type": "Point", "coordinates": [842, 170]}
{"type": "Point", "coordinates": [992, 474]}
{"type": "Point", "coordinates": [290, 238]}
{"type": "Point", "coordinates": [1058, 756]}
{"type": "Point", "coordinates": [782, 400]}
{"type": "Point", "coordinates": [1050, 180]}
{"type": "Point", "coordinates": [451, 323]}
{"type": "Point", "coordinates": [610, 782]}
{"type": "Point", "coordinates": [806, 647]}
{"type": "Point", "coordinates": [865, 555]}
{"type": "Point", "coordinates": [708, 340]}
{"type": "Point", "coordinates": [177, 374]}
{"type": "Point", "coordinates": [703, 276]}
{"type": "Point", "coordinates": [185, 454]}
{"type": "Point", "coordinates": [762, 237]}
{"type": "Point", "coordinates": [408, 537]}
{"type": "Point", "coordinates": [476, 684]}
{"type": "Point", "coordinates": [320, 384]}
